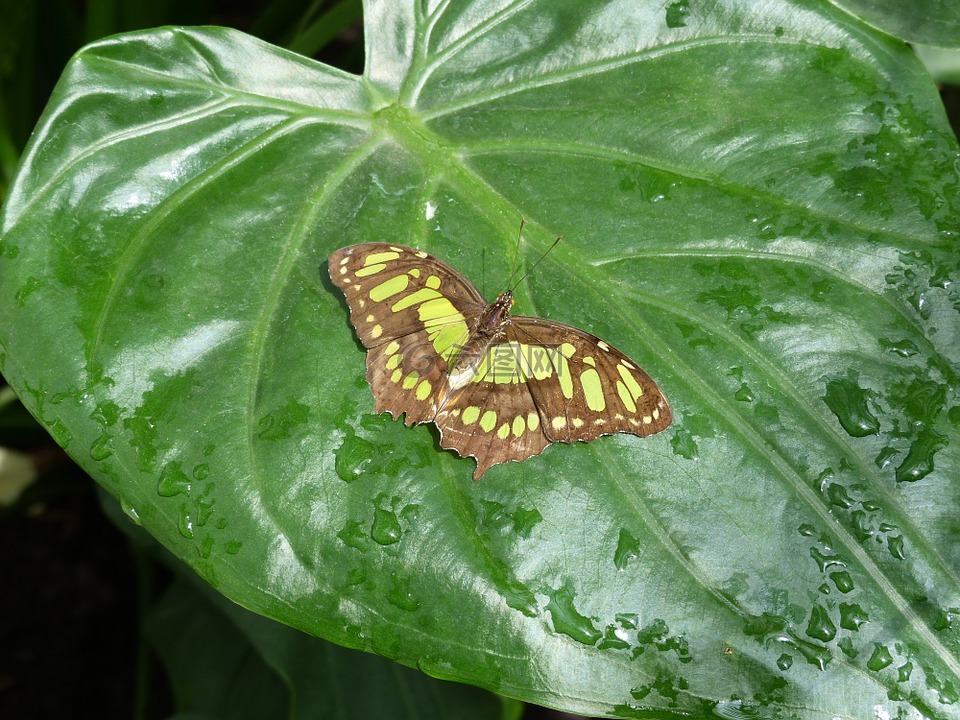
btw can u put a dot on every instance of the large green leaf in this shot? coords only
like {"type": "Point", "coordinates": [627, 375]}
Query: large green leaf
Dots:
{"type": "Point", "coordinates": [759, 204]}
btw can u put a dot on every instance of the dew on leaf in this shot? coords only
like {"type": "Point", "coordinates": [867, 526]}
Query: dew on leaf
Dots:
{"type": "Point", "coordinates": [353, 457]}
{"type": "Point", "coordinates": [807, 530]}
{"type": "Point", "coordinates": [173, 481]}
{"type": "Point", "coordinates": [842, 581]}
{"type": "Point", "coordinates": [627, 620]}
{"type": "Point", "coordinates": [852, 616]}
{"type": "Point", "coordinates": [567, 620]}
{"type": "Point", "coordinates": [904, 672]}
{"type": "Point", "coordinates": [821, 627]}
{"type": "Point", "coordinates": [740, 710]}
{"type": "Point", "coordinates": [826, 561]}
{"type": "Point", "coordinates": [919, 461]}
{"type": "Point", "coordinates": [185, 523]}
{"type": "Point", "coordinates": [885, 457]}
{"type": "Point", "coordinates": [281, 423]}
{"type": "Point", "coordinates": [201, 472]}
{"type": "Point", "coordinates": [946, 619]}
{"type": "Point", "coordinates": [612, 639]}
{"type": "Point", "coordinates": [953, 415]}
{"type": "Point", "coordinates": [400, 595]}
{"type": "Point", "coordinates": [657, 634]}
{"type": "Point", "coordinates": [59, 432]}
{"type": "Point", "coordinates": [846, 646]}
{"type": "Point", "coordinates": [683, 443]}
{"type": "Point", "coordinates": [861, 527]}
{"type": "Point", "coordinates": [676, 15]}
{"type": "Point", "coordinates": [102, 448]}
{"type": "Point", "coordinates": [761, 626]}
{"type": "Point", "coordinates": [923, 400]}
{"type": "Point", "coordinates": [903, 348]}
{"type": "Point", "coordinates": [627, 548]}
{"type": "Point", "coordinates": [785, 661]}
{"type": "Point", "coordinates": [524, 520]}
{"type": "Point", "coordinates": [946, 692]}
{"type": "Point", "coordinates": [106, 413]}
{"type": "Point", "coordinates": [353, 534]}
{"type": "Point", "coordinates": [849, 402]}
{"type": "Point", "coordinates": [880, 658]}
{"type": "Point", "coordinates": [232, 547]}
{"type": "Point", "coordinates": [813, 654]}
{"type": "Point", "coordinates": [838, 495]}
{"type": "Point", "coordinates": [206, 547]}
{"type": "Point", "coordinates": [129, 510]}
{"type": "Point", "coordinates": [666, 685]}
{"type": "Point", "coordinates": [386, 528]}
{"type": "Point", "coordinates": [744, 394]}
{"type": "Point", "coordinates": [518, 596]}
{"type": "Point", "coordinates": [895, 545]}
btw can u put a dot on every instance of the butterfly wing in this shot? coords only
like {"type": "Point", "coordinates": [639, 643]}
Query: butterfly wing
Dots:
{"type": "Point", "coordinates": [583, 386]}
{"type": "Point", "coordinates": [494, 419]}
{"type": "Point", "coordinates": [412, 313]}
{"type": "Point", "coordinates": [545, 382]}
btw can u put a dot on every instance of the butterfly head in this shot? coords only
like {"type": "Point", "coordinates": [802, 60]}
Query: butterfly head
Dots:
{"type": "Point", "coordinates": [505, 300]}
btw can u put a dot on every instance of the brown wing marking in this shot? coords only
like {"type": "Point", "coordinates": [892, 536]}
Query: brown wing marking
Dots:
{"type": "Point", "coordinates": [594, 389]}
{"type": "Point", "coordinates": [494, 422]}
{"type": "Point", "coordinates": [406, 375]}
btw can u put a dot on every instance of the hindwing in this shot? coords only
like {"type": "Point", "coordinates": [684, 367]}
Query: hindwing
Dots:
{"type": "Point", "coordinates": [492, 422]}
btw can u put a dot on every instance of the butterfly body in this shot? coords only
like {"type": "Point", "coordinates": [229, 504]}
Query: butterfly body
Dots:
{"type": "Point", "coordinates": [499, 387]}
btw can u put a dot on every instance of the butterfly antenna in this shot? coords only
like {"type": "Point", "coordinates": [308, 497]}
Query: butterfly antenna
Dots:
{"type": "Point", "coordinates": [516, 252]}
{"type": "Point", "coordinates": [483, 272]}
{"type": "Point", "coordinates": [524, 276]}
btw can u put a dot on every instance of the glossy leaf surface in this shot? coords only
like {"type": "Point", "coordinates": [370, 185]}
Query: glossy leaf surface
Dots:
{"type": "Point", "coordinates": [759, 205]}
{"type": "Point", "coordinates": [933, 22]}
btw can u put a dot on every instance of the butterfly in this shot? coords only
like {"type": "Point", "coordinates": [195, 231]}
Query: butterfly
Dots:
{"type": "Point", "coordinates": [499, 387]}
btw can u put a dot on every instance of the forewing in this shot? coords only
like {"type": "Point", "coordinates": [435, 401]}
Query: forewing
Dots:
{"type": "Point", "coordinates": [583, 386]}
{"type": "Point", "coordinates": [394, 290]}
{"type": "Point", "coordinates": [412, 313]}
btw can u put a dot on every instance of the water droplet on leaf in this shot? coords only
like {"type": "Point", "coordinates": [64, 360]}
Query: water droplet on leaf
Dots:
{"type": "Point", "coordinates": [880, 658]}
{"type": "Point", "coordinates": [852, 616]}
{"type": "Point", "coordinates": [821, 626]}
{"type": "Point", "coordinates": [386, 528]}
{"type": "Point", "coordinates": [627, 547]}
{"type": "Point", "coordinates": [567, 620]}
{"type": "Point", "coordinates": [849, 402]}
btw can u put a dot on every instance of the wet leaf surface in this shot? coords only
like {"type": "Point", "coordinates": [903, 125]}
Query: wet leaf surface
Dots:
{"type": "Point", "coordinates": [759, 205]}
